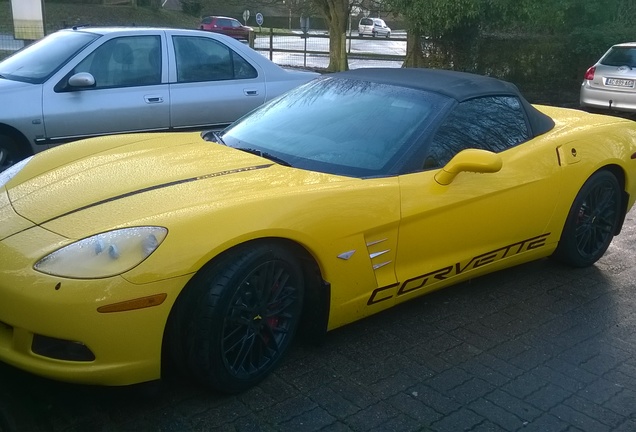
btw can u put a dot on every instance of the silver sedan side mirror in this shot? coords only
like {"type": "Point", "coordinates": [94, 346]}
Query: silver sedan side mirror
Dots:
{"type": "Point", "coordinates": [82, 79]}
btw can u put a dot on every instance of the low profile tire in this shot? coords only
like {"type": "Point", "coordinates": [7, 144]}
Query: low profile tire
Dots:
{"type": "Point", "coordinates": [591, 222]}
{"type": "Point", "coordinates": [240, 315]}
{"type": "Point", "coordinates": [10, 152]}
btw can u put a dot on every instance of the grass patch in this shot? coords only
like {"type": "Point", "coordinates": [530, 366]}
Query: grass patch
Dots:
{"type": "Point", "coordinates": [64, 15]}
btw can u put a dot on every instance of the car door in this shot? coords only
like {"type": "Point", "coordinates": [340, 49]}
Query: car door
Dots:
{"type": "Point", "coordinates": [213, 84]}
{"type": "Point", "coordinates": [224, 26]}
{"type": "Point", "coordinates": [235, 29]}
{"type": "Point", "coordinates": [129, 95]}
{"type": "Point", "coordinates": [378, 27]}
{"type": "Point", "coordinates": [477, 220]}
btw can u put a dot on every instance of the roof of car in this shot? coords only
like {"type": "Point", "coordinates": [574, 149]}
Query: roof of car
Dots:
{"type": "Point", "coordinates": [460, 86]}
{"type": "Point", "coordinates": [457, 85]}
{"type": "Point", "coordinates": [114, 29]}
{"type": "Point", "coordinates": [126, 30]}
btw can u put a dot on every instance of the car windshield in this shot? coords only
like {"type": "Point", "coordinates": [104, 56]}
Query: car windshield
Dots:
{"type": "Point", "coordinates": [37, 62]}
{"type": "Point", "coordinates": [620, 56]}
{"type": "Point", "coordinates": [339, 126]}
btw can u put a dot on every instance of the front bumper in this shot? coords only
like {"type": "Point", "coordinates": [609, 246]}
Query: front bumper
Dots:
{"type": "Point", "coordinates": [33, 307]}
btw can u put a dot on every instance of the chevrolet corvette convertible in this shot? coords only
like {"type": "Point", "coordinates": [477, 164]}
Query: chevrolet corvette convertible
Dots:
{"type": "Point", "coordinates": [124, 257]}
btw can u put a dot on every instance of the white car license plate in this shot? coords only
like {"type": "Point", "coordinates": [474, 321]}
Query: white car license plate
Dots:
{"type": "Point", "coordinates": [616, 82]}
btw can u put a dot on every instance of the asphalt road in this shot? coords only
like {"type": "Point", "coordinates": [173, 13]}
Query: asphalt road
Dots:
{"type": "Point", "coordinates": [540, 347]}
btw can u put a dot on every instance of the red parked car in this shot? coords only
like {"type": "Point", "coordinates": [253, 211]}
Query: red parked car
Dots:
{"type": "Point", "coordinates": [227, 26]}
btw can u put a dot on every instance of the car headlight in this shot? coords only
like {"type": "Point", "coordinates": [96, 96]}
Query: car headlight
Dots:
{"type": "Point", "coordinates": [103, 255]}
{"type": "Point", "coordinates": [11, 172]}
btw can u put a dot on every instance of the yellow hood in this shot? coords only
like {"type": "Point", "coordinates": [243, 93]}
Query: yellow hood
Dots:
{"type": "Point", "coordinates": [76, 176]}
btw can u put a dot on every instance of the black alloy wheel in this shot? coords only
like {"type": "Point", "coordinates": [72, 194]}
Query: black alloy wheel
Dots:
{"type": "Point", "coordinates": [259, 319]}
{"type": "Point", "coordinates": [591, 222]}
{"type": "Point", "coordinates": [237, 317]}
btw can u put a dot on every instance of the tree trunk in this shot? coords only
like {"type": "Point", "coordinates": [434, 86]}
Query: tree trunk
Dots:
{"type": "Point", "coordinates": [337, 13]}
{"type": "Point", "coordinates": [414, 55]}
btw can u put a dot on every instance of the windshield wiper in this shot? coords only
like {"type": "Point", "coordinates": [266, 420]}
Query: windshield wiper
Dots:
{"type": "Point", "coordinates": [265, 155]}
{"type": "Point", "coordinates": [216, 137]}
{"type": "Point", "coordinates": [213, 136]}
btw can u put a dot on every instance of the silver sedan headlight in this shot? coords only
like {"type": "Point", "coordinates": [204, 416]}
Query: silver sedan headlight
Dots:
{"type": "Point", "coordinates": [103, 255]}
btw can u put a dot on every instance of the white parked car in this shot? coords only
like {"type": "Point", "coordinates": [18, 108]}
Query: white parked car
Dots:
{"type": "Point", "coordinates": [611, 83]}
{"type": "Point", "coordinates": [83, 82]}
{"type": "Point", "coordinates": [373, 27]}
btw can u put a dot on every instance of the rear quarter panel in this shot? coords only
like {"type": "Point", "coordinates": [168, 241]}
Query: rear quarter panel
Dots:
{"type": "Point", "coordinates": [587, 143]}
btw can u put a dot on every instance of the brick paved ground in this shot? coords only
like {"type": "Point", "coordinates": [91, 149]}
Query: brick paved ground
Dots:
{"type": "Point", "coordinates": [540, 347]}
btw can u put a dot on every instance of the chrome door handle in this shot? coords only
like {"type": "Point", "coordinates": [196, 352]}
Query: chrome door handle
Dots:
{"type": "Point", "coordinates": [153, 99]}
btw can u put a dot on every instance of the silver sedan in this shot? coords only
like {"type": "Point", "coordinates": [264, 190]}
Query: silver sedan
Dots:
{"type": "Point", "coordinates": [611, 83]}
{"type": "Point", "coordinates": [83, 82]}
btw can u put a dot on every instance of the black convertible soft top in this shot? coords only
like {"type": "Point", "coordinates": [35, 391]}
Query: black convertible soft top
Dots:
{"type": "Point", "coordinates": [460, 86]}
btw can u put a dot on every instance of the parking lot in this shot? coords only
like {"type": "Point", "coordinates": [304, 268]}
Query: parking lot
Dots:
{"type": "Point", "coordinates": [540, 347]}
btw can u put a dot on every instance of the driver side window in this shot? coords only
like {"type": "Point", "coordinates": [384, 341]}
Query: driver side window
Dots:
{"type": "Point", "coordinates": [125, 61]}
{"type": "Point", "coordinates": [494, 123]}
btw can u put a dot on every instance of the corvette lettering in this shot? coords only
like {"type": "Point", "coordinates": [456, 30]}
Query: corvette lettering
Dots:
{"type": "Point", "coordinates": [380, 294]}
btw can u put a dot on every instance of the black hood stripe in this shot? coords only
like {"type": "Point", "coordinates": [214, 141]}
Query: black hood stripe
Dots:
{"type": "Point", "coordinates": [160, 186]}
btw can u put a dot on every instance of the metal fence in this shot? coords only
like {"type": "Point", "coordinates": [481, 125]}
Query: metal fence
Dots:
{"type": "Point", "coordinates": [312, 49]}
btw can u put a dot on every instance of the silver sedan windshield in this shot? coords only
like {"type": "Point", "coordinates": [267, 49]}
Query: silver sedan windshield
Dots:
{"type": "Point", "coordinates": [37, 62]}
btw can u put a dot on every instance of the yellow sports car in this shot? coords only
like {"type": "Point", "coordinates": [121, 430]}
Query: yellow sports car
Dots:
{"type": "Point", "coordinates": [123, 257]}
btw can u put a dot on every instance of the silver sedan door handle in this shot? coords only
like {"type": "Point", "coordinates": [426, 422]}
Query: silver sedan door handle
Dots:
{"type": "Point", "coordinates": [250, 92]}
{"type": "Point", "coordinates": [153, 99]}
